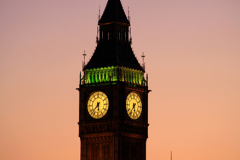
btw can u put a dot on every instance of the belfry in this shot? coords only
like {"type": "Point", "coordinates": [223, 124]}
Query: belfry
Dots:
{"type": "Point", "coordinates": [113, 94]}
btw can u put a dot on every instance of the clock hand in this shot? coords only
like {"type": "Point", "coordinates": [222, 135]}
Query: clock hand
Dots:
{"type": "Point", "coordinates": [98, 105]}
{"type": "Point", "coordinates": [134, 106]}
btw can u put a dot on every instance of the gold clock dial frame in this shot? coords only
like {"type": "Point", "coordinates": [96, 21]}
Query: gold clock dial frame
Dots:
{"type": "Point", "coordinates": [97, 104]}
{"type": "Point", "coordinates": [134, 105]}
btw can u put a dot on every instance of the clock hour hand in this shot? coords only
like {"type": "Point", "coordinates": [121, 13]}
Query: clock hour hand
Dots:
{"type": "Point", "coordinates": [133, 107]}
{"type": "Point", "coordinates": [98, 105]}
{"type": "Point", "coordinates": [134, 104]}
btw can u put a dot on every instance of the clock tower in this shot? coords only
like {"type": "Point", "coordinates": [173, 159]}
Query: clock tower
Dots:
{"type": "Point", "coordinates": [113, 94]}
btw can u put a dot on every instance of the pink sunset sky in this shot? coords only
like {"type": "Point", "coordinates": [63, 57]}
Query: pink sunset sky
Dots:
{"type": "Point", "coordinates": [192, 50]}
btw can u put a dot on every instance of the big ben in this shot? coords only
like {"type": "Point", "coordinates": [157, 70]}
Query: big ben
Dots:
{"type": "Point", "coordinates": [113, 94]}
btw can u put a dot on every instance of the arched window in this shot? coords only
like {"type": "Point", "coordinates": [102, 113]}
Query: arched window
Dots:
{"type": "Point", "coordinates": [107, 76]}
{"type": "Point", "coordinates": [100, 76]}
{"type": "Point", "coordinates": [88, 78]}
{"type": "Point", "coordinates": [104, 76]}
{"type": "Point", "coordinates": [92, 76]}
{"type": "Point", "coordinates": [137, 78]}
{"type": "Point", "coordinates": [96, 77]}
{"type": "Point", "coordinates": [131, 77]}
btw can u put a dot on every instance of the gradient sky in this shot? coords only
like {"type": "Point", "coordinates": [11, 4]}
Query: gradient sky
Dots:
{"type": "Point", "coordinates": [192, 50]}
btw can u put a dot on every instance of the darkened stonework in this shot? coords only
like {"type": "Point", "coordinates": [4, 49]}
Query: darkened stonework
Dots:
{"type": "Point", "coordinates": [115, 136]}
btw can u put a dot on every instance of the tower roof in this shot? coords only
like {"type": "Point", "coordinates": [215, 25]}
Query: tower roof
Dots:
{"type": "Point", "coordinates": [114, 47]}
{"type": "Point", "coordinates": [113, 54]}
{"type": "Point", "coordinates": [114, 13]}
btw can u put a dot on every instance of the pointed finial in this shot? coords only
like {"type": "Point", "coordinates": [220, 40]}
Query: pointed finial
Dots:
{"type": "Point", "coordinates": [84, 55]}
{"type": "Point", "coordinates": [80, 77]}
{"type": "Point", "coordinates": [99, 13]}
{"type": "Point", "coordinates": [143, 65]}
{"type": "Point", "coordinates": [128, 14]}
{"type": "Point", "coordinates": [130, 34]}
{"type": "Point", "coordinates": [147, 80]}
{"type": "Point", "coordinates": [97, 34]}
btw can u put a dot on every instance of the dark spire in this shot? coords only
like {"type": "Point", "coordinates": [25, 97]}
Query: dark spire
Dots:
{"type": "Point", "coordinates": [113, 13]}
{"type": "Point", "coordinates": [114, 42]}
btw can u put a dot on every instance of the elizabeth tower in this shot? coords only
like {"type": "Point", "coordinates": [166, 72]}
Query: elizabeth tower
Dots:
{"type": "Point", "coordinates": [113, 94]}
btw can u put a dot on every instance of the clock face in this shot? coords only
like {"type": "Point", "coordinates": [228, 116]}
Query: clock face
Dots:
{"type": "Point", "coordinates": [97, 105]}
{"type": "Point", "coordinates": [134, 105]}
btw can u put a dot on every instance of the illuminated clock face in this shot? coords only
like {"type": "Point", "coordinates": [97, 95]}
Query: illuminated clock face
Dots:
{"type": "Point", "coordinates": [97, 105]}
{"type": "Point", "coordinates": [134, 105]}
